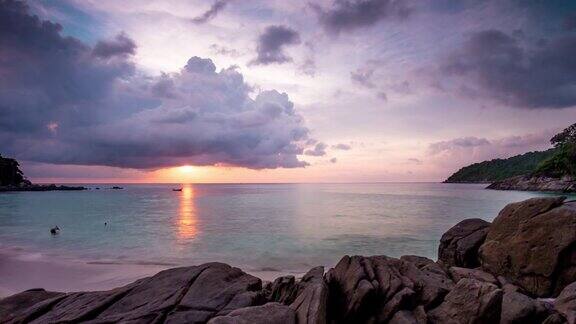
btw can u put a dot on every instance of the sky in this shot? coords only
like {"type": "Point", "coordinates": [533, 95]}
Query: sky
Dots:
{"type": "Point", "coordinates": [280, 91]}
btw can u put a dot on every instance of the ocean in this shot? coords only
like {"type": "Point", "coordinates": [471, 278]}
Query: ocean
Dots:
{"type": "Point", "coordinates": [258, 227]}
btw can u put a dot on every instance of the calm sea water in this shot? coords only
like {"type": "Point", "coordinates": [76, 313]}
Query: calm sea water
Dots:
{"type": "Point", "coordinates": [286, 227]}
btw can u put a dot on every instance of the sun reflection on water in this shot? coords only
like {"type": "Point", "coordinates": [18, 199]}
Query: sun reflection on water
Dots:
{"type": "Point", "coordinates": [187, 213]}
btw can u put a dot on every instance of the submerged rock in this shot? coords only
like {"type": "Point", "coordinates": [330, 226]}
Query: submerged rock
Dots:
{"type": "Point", "coordinates": [459, 245]}
{"type": "Point", "coordinates": [533, 244]}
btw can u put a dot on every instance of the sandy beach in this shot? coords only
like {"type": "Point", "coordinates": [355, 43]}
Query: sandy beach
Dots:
{"type": "Point", "coordinates": [22, 269]}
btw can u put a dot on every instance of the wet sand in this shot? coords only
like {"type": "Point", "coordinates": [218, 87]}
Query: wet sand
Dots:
{"type": "Point", "coordinates": [22, 270]}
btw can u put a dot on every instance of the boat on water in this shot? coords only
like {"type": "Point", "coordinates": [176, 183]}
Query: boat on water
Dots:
{"type": "Point", "coordinates": [177, 189]}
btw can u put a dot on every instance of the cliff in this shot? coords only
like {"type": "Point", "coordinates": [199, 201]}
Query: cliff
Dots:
{"type": "Point", "coordinates": [518, 269]}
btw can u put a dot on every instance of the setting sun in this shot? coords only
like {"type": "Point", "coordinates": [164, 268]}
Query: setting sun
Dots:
{"type": "Point", "coordinates": [186, 168]}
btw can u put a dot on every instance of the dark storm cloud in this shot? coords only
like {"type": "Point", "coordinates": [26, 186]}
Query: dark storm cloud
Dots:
{"type": "Point", "coordinates": [62, 103]}
{"type": "Point", "coordinates": [271, 45]}
{"type": "Point", "coordinates": [216, 7]}
{"type": "Point", "coordinates": [493, 64]}
{"type": "Point", "coordinates": [119, 46]}
{"type": "Point", "coordinates": [347, 15]}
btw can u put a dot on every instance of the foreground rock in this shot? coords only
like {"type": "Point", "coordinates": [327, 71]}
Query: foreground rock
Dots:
{"type": "Point", "coordinates": [528, 251]}
{"type": "Point", "coordinates": [533, 244]}
{"type": "Point", "coordinates": [536, 183]}
{"type": "Point", "coordinates": [459, 245]}
{"type": "Point", "coordinates": [374, 289]}
{"type": "Point", "coordinates": [180, 295]}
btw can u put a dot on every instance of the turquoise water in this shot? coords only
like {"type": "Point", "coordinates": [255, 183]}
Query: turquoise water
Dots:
{"type": "Point", "coordinates": [285, 227]}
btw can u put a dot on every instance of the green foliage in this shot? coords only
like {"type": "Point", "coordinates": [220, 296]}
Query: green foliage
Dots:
{"type": "Point", "coordinates": [500, 169]}
{"type": "Point", "coordinates": [563, 162]}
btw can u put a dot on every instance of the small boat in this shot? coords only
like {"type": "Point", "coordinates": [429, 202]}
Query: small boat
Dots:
{"type": "Point", "coordinates": [177, 189]}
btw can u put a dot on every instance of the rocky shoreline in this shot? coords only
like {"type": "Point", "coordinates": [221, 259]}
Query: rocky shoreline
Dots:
{"type": "Point", "coordinates": [36, 187]}
{"type": "Point", "coordinates": [565, 184]}
{"type": "Point", "coordinates": [521, 268]}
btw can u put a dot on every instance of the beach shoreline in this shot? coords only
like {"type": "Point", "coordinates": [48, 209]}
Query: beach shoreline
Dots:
{"type": "Point", "coordinates": [23, 269]}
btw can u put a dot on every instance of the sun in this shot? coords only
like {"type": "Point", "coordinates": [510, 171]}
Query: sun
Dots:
{"type": "Point", "coordinates": [186, 168]}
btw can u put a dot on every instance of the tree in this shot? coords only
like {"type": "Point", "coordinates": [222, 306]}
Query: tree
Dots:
{"type": "Point", "coordinates": [563, 162]}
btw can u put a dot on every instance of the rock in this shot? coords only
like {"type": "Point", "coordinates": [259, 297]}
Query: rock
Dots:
{"type": "Point", "coordinates": [536, 183]}
{"type": "Point", "coordinates": [457, 273]}
{"type": "Point", "coordinates": [270, 313]}
{"type": "Point", "coordinates": [283, 290]}
{"type": "Point", "coordinates": [311, 302]}
{"type": "Point", "coordinates": [566, 303]}
{"type": "Point", "coordinates": [217, 290]}
{"type": "Point", "coordinates": [459, 245]}
{"type": "Point", "coordinates": [179, 295]}
{"type": "Point", "coordinates": [13, 306]}
{"type": "Point", "coordinates": [518, 308]}
{"type": "Point", "coordinates": [417, 316]}
{"type": "Point", "coordinates": [533, 244]}
{"type": "Point", "coordinates": [555, 318]}
{"type": "Point", "coordinates": [471, 301]}
{"type": "Point", "coordinates": [374, 288]}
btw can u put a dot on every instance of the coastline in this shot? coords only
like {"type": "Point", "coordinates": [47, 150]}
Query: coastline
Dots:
{"type": "Point", "coordinates": [23, 269]}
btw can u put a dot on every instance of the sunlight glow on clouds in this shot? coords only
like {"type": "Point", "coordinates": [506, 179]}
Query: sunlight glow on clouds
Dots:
{"type": "Point", "coordinates": [355, 90]}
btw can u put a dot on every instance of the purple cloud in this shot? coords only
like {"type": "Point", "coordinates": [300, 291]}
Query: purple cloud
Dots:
{"type": "Point", "coordinates": [216, 7]}
{"type": "Point", "coordinates": [272, 42]}
{"type": "Point", "coordinates": [318, 150]}
{"type": "Point", "coordinates": [62, 104]}
{"type": "Point", "coordinates": [493, 64]}
{"type": "Point", "coordinates": [348, 15]}
{"type": "Point", "coordinates": [119, 46]}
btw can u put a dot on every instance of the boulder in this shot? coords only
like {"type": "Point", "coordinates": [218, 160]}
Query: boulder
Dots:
{"type": "Point", "coordinates": [269, 313]}
{"type": "Point", "coordinates": [533, 244]}
{"type": "Point", "coordinates": [179, 295]}
{"type": "Point", "coordinates": [15, 305]}
{"type": "Point", "coordinates": [457, 273]}
{"type": "Point", "coordinates": [311, 301]}
{"type": "Point", "coordinates": [364, 289]}
{"type": "Point", "coordinates": [416, 316]}
{"type": "Point", "coordinates": [283, 290]}
{"type": "Point", "coordinates": [566, 303]}
{"type": "Point", "coordinates": [459, 245]}
{"type": "Point", "coordinates": [518, 308]}
{"type": "Point", "coordinates": [471, 301]}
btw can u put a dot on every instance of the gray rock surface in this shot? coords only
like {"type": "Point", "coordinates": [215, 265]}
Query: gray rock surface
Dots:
{"type": "Point", "coordinates": [364, 289]}
{"type": "Point", "coordinates": [536, 183]}
{"type": "Point", "coordinates": [533, 244]}
{"type": "Point", "coordinates": [179, 295]}
{"type": "Point", "coordinates": [471, 301]}
{"type": "Point", "coordinates": [270, 313]}
{"type": "Point", "coordinates": [459, 245]}
{"type": "Point", "coordinates": [566, 303]}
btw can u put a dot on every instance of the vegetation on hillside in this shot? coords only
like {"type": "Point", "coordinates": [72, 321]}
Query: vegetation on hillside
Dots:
{"type": "Point", "coordinates": [500, 169]}
{"type": "Point", "coordinates": [10, 173]}
{"type": "Point", "coordinates": [563, 162]}
{"type": "Point", "coordinates": [555, 162]}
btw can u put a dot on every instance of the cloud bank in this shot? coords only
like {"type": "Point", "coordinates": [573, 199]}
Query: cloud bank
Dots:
{"type": "Point", "coordinates": [348, 15]}
{"type": "Point", "coordinates": [64, 102]}
{"type": "Point", "coordinates": [512, 71]}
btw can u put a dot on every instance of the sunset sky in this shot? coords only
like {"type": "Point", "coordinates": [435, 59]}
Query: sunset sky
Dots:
{"type": "Point", "coordinates": [280, 91]}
